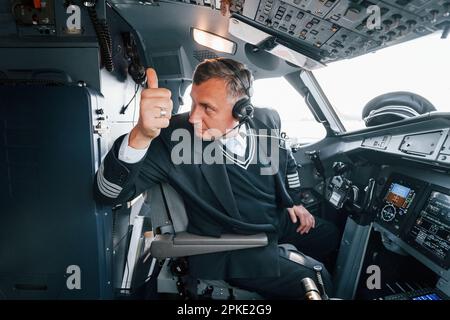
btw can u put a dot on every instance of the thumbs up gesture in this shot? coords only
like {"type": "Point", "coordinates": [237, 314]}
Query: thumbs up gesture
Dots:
{"type": "Point", "coordinates": [154, 114]}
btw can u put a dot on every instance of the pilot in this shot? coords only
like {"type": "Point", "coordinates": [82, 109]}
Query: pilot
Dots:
{"type": "Point", "coordinates": [231, 196]}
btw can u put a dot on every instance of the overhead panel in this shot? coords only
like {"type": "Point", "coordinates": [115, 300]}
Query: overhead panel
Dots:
{"type": "Point", "coordinates": [340, 29]}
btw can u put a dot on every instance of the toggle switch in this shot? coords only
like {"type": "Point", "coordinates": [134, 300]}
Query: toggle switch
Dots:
{"type": "Point", "coordinates": [434, 14]}
{"type": "Point", "coordinates": [446, 9]}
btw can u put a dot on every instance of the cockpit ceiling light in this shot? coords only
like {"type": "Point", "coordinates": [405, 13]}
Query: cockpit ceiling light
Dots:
{"type": "Point", "coordinates": [213, 41]}
{"type": "Point", "coordinates": [252, 35]}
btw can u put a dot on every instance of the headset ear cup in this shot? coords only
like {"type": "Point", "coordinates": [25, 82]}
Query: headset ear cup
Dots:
{"type": "Point", "coordinates": [250, 110]}
{"type": "Point", "coordinates": [238, 109]}
{"type": "Point", "coordinates": [243, 109]}
{"type": "Point", "coordinates": [250, 91]}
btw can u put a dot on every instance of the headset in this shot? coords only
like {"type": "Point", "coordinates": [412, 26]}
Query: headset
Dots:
{"type": "Point", "coordinates": [243, 108]}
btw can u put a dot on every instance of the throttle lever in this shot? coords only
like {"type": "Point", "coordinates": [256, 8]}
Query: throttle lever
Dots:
{"type": "Point", "coordinates": [368, 197]}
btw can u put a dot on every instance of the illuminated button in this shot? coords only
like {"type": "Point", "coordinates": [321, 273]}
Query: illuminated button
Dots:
{"type": "Point", "coordinates": [335, 17]}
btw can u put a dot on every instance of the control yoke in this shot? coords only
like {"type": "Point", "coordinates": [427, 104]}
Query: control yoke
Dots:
{"type": "Point", "coordinates": [368, 197]}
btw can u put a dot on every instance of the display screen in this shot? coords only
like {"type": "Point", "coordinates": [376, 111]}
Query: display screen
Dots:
{"type": "Point", "coordinates": [431, 231]}
{"type": "Point", "coordinates": [431, 296]}
{"type": "Point", "coordinates": [440, 203]}
{"type": "Point", "coordinates": [397, 195]}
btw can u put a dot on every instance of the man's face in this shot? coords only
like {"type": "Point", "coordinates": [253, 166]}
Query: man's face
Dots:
{"type": "Point", "coordinates": [211, 111]}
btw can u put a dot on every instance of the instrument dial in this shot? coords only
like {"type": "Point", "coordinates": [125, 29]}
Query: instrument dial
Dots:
{"type": "Point", "coordinates": [388, 213]}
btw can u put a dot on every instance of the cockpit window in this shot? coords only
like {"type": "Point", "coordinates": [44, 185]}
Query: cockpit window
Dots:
{"type": "Point", "coordinates": [296, 119]}
{"type": "Point", "coordinates": [418, 66]}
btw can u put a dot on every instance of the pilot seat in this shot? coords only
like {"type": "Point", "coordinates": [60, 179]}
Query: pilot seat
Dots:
{"type": "Point", "coordinates": [172, 244]}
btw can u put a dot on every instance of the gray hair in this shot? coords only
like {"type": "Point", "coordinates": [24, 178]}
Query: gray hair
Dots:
{"type": "Point", "coordinates": [238, 79]}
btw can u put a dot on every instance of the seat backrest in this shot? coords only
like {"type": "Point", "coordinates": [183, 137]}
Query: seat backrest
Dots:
{"type": "Point", "coordinates": [168, 212]}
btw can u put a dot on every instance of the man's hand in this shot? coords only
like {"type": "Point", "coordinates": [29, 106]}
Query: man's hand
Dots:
{"type": "Point", "coordinates": [307, 220]}
{"type": "Point", "coordinates": [154, 114]}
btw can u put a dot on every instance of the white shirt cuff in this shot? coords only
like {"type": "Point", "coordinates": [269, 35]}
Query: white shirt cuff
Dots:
{"type": "Point", "coordinates": [129, 154]}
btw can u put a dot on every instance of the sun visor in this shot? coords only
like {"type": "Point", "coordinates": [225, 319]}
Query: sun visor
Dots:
{"type": "Point", "coordinates": [171, 63]}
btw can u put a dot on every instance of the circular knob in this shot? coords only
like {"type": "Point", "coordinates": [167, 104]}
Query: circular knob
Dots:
{"type": "Point", "coordinates": [388, 213]}
{"type": "Point", "coordinates": [387, 24]}
{"type": "Point", "coordinates": [402, 30]}
{"type": "Point", "coordinates": [396, 17]}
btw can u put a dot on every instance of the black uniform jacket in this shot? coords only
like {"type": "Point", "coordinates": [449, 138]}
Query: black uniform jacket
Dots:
{"type": "Point", "coordinates": [207, 194]}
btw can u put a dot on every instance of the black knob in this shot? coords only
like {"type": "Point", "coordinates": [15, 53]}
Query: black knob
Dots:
{"type": "Point", "coordinates": [339, 168]}
{"type": "Point", "coordinates": [396, 17]}
{"type": "Point", "coordinates": [387, 24]}
{"type": "Point", "coordinates": [401, 30]}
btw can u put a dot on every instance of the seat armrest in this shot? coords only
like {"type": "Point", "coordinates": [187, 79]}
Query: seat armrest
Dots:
{"type": "Point", "coordinates": [187, 244]}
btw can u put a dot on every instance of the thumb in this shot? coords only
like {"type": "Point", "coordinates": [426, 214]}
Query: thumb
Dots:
{"type": "Point", "coordinates": [152, 78]}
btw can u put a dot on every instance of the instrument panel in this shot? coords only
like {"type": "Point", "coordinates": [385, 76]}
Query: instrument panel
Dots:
{"type": "Point", "coordinates": [398, 202]}
{"type": "Point", "coordinates": [429, 145]}
{"type": "Point", "coordinates": [430, 233]}
{"type": "Point", "coordinates": [341, 29]}
{"type": "Point", "coordinates": [417, 212]}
